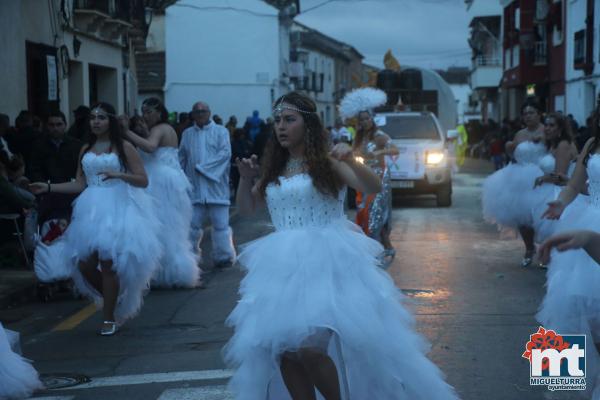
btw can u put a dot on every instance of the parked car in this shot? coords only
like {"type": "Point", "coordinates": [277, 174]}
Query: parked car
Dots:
{"type": "Point", "coordinates": [422, 166]}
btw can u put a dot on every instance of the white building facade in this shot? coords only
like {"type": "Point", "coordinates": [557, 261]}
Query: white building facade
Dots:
{"type": "Point", "coordinates": [232, 55]}
{"type": "Point", "coordinates": [486, 70]}
{"type": "Point", "coordinates": [582, 59]}
{"type": "Point", "coordinates": [63, 55]}
{"type": "Point", "coordinates": [314, 69]}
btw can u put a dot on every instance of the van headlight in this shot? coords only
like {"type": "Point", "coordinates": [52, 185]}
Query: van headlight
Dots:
{"type": "Point", "coordinates": [434, 157]}
{"type": "Point", "coordinates": [359, 160]}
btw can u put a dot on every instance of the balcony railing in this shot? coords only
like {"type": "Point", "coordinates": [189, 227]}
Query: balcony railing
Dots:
{"type": "Point", "coordinates": [540, 53]}
{"type": "Point", "coordinates": [487, 61]}
{"type": "Point", "coordinates": [114, 8]}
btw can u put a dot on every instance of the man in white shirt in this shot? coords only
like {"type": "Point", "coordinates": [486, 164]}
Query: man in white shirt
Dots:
{"type": "Point", "coordinates": [205, 154]}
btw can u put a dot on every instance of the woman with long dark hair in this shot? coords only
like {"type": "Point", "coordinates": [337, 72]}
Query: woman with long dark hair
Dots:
{"type": "Point", "coordinates": [316, 312]}
{"type": "Point", "coordinates": [508, 196]}
{"type": "Point", "coordinates": [558, 165]}
{"type": "Point", "coordinates": [168, 185]}
{"type": "Point", "coordinates": [112, 223]}
{"type": "Point", "coordinates": [572, 301]}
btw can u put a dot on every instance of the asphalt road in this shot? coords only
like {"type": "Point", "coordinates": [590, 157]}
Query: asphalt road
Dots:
{"type": "Point", "coordinates": [461, 277]}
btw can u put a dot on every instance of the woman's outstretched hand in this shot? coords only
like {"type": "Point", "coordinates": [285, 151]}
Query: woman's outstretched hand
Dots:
{"type": "Point", "coordinates": [342, 152]}
{"type": "Point", "coordinates": [248, 167]}
{"type": "Point", "coordinates": [562, 242]}
{"type": "Point", "coordinates": [554, 210]}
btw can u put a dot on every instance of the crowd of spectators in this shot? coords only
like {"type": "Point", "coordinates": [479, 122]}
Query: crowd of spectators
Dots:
{"type": "Point", "coordinates": [487, 140]}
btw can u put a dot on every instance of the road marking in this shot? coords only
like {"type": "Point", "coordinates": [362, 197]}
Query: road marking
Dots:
{"type": "Point", "coordinates": [53, 398]}
{"type": "Point", "coordinates": [76, 318]}
{"type": "Point", "coordinates": [199, 393]}
{"type": "Point", "coordinates": [162, 377]}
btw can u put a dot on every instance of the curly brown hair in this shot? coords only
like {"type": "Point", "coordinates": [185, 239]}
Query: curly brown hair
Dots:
{"type": "Point", "coordinates": [316, 150]}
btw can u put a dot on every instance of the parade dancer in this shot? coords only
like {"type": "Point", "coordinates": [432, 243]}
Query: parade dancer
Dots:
{"type": "Point", "coordinates": [170, 188]}
{"type": "Point", "coordinates": [112, 223]}
{"type": "Point", "coordinates": [558, 165]}
{"type": "Point", "coordinates": [374, 214]}
{"type": "Point", "coordinates": [572, 300]}
{"type": "Point", "coordinates": [18, 379]}
{"type": "Point", "coordinates": [508, 196]}
{"type": "Point", "coordinates": [205, 156]}
{"type": "Point", "coordinates": [315, 310]}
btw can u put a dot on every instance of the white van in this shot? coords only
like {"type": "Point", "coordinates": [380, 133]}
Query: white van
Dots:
{"type": "Point", "coordinates": [422, 167]}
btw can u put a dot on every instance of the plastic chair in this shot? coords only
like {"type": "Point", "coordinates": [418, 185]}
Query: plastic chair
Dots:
{"type": "Point", "coordinates": [17, 233]}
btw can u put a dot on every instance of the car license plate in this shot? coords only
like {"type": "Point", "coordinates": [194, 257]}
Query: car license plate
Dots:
{"type": "Point", "coordinates": [403, 184]}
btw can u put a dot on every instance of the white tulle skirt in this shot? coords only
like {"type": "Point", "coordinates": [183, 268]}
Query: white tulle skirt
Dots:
{"type": "Point", "coordinates": [544, 228]}
{"type": "Point", "coordinates": [320, 287]}
{"type": "Point", "coordinates": [572, 300]}
{"type": "Point", "coordinates": [508, 195]}
{"type": "Point", "coordinates": [179, 264]}
{"type": "Point", "coordinates": [18, 379]}
{"type": "Point", "coordinates": [118, 222]}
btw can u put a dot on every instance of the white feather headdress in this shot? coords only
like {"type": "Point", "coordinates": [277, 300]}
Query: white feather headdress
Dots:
{"type": "Point", "coordinates": [363, 99]}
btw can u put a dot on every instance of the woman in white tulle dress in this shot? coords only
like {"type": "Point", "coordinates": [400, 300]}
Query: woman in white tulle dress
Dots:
{"type": "Point", "coordinates": [572, 300]}
{"type": "Point", "coordinates": [507, 196]}
{"type": "Point", "coordinates": [316, 313]}
{"type": "Point", "coordinates": [558, 166]}
{"type": "Point", "coordinates": [18, 379]}
{"type": "Point", "coordinates": [169, 186]}
{"type": "Point", "coordinates": [112, 225]}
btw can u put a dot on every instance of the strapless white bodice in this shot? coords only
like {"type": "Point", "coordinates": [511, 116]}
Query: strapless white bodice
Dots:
{"type": "Point", "coordinates": [296, 203]}
{"type": "Point", "coordinates": [529, 152]}
{"type": "Point", "coordinates": [95, 164]}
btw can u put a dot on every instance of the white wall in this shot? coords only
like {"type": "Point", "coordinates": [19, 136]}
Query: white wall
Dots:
{"type": "Point", "coordinates": [461, 94]}
{"type": "Point", "coordinates": [323, 64]}
{"type": "Point", "coordinates": [155, 41]}
{"type": "Point", "coordinates": [581, 91]}
{"type": "Point", "coordinates": [230, 59]}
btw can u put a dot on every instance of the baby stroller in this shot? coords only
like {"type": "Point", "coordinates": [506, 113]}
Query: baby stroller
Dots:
{"type": "Point", "coordinates": [54, 213]}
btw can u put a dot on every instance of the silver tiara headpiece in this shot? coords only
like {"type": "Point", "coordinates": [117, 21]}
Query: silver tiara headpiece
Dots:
{"type": "Point", "coordinates": [282, 106]}
{"type": "Point", "coordinates": [99, 110]}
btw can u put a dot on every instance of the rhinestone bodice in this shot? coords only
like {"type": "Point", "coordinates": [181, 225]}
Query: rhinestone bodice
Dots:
{"type": "Point", "coordinates": [593, 172]}
{"type": "Point", "coordinates": [529, 152]}
{"type": "Point", "coordinates": [94, 164]}
{"type": "Point", "coordinates": [295, 203]}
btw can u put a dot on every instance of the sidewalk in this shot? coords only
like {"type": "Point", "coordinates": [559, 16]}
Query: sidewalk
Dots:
{"type": "Point", "coordinates": [18, 285]}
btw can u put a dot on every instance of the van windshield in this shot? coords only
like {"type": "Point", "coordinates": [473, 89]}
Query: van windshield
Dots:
{"type": "Point", "coordinates": [410, 127]}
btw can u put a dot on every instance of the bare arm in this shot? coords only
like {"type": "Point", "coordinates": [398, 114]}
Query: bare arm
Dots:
{"type": "Point", "coordinates": [575, 186]}
{"type": "Point", "coordinates": [72, 187]}
{"type": "Point", "coordinates": [587, 240]}
{"type": "Point", "coordinates": [149, 144]}
{"type": "Point", "coordinates": [248, 199]}
{"type": "Point", "coordinates": [352, 173]}
{"type": "Point", "coordinates": [137, 174]}
{"type": "Point", "coordinates": [563, 158]}
{"type": "Point", "coordinates": [385, 147]}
